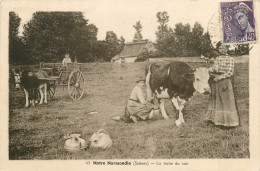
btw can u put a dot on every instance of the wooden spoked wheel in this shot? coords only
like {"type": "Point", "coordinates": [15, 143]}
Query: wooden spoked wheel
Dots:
{"type": "Point", "coordinates": [51, 91]}
{"type": "Point", "coordinates": [76, 85]}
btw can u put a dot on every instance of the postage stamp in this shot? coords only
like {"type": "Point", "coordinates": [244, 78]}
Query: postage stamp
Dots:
{"type": "Point", "coordinates": [238, 24]}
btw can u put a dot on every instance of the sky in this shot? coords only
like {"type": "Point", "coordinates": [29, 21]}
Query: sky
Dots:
{"type": "Point", "coordinates": [120, 16]}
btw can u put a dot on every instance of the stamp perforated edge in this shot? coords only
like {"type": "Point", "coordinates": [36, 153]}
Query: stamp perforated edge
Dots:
{"type": "Point", "coordinates": [255, 19]}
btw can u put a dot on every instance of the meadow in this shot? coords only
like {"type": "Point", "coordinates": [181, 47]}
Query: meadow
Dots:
{"type": "Point", "coordinates": [37, 132]}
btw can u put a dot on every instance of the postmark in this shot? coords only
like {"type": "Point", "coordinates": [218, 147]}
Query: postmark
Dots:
{"type": "Point", "coordinates": [238, 23]}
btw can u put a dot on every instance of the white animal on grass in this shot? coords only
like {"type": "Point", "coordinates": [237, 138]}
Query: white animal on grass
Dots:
{"type": "Point", "coordinates": [100, 139]}
{"type": "Point", "coordinates": [74, 143]}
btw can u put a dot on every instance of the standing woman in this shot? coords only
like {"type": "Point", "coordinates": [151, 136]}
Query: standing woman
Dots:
{"type": "Point", "coordinates": [222, 107]}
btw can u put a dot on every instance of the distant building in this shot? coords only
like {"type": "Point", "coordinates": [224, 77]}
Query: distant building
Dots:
{"type": "Point", "coordinates": [132, 50]}
{"type": "Point", "coordinates": [116, 59]}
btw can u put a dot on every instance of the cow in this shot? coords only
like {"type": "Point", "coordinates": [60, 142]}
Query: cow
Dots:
{"type": "Point", "coordinates": [176, 81]}
{"type": "Point", "coordinates": [31, 84]}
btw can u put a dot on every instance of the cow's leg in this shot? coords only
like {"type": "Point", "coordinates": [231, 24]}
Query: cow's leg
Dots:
{"type": "Point", "coordinates": [45, 92]}
{"type": "Point", "coordinates": [34, 91]}
{"type": "Point", "coordinates": [175, 103]}
{"type": "Point", "coordinates": [164, 114]}
{"type": "Point", "coordinates": [179, 105]}
{"type": "Point", "coordinates": [26, 98]}
{"type": "Point", "coordinates": [41, 94]}
{"type": "Point", "coordinates": [37, 98]}
{"type": "Point", "coordinates": [36, 95]}
{"type": "Point", "coordinates": [148, 88]}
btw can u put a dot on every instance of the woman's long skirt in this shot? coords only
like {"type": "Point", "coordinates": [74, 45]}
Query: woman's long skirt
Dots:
{"type": "Point", "coordinates": [222, 106]}
{"type": "Point", "coordinates": [139, 110]}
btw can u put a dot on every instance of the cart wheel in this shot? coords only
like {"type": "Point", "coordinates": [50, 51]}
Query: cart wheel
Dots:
{"type": "Point", "coordinates": [51, 91]}
{"type": "Point", "coordinates": [76, 85]}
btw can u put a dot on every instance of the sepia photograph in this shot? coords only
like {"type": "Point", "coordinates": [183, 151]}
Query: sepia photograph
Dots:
{"type": "Point", "coordinates": [107, 82]}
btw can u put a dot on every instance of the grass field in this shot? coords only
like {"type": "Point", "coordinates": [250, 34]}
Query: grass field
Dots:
{"type": "Point", "coordinates": [37, 132]}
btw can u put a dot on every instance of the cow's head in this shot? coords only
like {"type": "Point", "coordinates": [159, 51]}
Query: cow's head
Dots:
{"type": "Point", "coordinates": [200, 78]}
{"type": "Point", "coordinates": [100, 139]}
{"type": "Point", "coordinates": [19, 74]}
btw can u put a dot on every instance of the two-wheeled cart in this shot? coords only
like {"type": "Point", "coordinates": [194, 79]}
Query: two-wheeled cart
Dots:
{"type": "Point", "coordinates": [69, 75]}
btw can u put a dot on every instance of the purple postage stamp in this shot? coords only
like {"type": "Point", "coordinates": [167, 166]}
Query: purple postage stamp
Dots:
{"type": "Point", "coordinates": [238, 24]}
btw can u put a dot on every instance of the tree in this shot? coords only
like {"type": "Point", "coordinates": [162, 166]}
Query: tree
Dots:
{"type": "Point", "coordinates": [111, 36]}
{"type": "Point", "coordinates": [163, 32]}
{"type": "Point", "coordinates": [122, 42]}
{"type": "Point", "coordinates": [14, 23]}
{"type": "Point", "coordinates": [100, 49]}
{"type": "Point", "coordinates": [167, 44]}
{"type": "Point", "coordinates": [114, 45]}
{"type": "Point", "coordinates": [48, 35]}
{"type": "Point", "coordinates": [16, 46]}
{"type": "Point", "coordinates": [92, 31]}
{"type": "Point", "coordinates": [138, 36]}
{"type": "Point", "coordinates": [183, 38]}
{"type": "Point", "coordinates": [146, 54]}
{"type": "Point", "coordinates": [206, 46]}
{"type": "Point", "coordinates": [197, 37]}
{"type": "Point", "coordinates": [104, 50]}
{"type": "Point", "coordinates": [162, 18]}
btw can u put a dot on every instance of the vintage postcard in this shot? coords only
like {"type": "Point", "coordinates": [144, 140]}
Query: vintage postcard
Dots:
{"type": "Point", "coordinates": [142, 85]}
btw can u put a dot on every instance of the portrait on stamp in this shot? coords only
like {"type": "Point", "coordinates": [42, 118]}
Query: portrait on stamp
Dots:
{"type": "Point", "coordinates": [238, 24]}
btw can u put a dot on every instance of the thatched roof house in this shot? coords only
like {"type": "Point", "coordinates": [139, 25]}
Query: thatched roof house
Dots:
{"type": "Point", "coordinates": [132, 50]}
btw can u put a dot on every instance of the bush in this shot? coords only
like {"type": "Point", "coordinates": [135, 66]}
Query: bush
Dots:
{"type": "Point", "coordinates": [146, 55]}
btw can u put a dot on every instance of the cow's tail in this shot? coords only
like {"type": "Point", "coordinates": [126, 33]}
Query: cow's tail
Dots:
{"type": "Point", "coordinates": [147, 81]}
